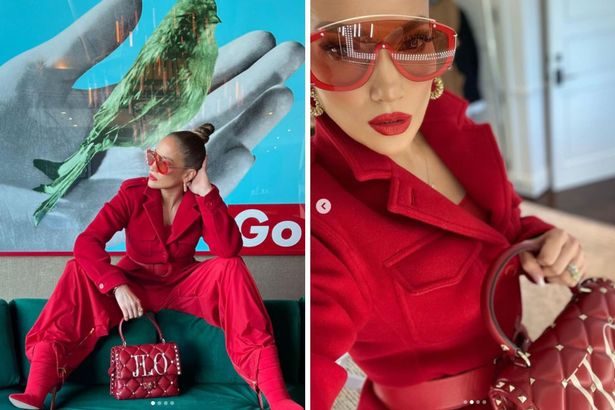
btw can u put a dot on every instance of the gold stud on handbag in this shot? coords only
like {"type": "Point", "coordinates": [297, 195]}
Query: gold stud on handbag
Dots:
{"type": "Point", "coordinates": [437, 89]}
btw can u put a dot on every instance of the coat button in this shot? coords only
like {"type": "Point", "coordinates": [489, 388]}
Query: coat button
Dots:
{"type": "Point", "coordinates": [100, 286]}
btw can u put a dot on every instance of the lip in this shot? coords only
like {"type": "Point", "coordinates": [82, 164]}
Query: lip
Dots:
{"type": "Point", "coordinates": [153, 178]}
{"type": "Point", "coordinates": [394, 123]}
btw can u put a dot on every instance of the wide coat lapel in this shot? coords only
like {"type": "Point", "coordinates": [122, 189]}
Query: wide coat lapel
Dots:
{"type": "Point", "coordinates": [467, 151]}
{"type": "Point", "coordinates": [153, 209]}
{"type": "Point", "coordinates": [471, 153]}
{"type": "Point", "coordinates": [187, 214]}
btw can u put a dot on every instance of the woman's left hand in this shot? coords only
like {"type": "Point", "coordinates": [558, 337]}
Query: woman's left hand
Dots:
{"type": "Point", "coordinates": [560, 260]}
{"type": "Point", "coordinates": [200, 184]}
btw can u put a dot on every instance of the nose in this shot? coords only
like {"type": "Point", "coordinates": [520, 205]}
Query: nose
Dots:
{"type": "Point", "coordinates": [386, 82]}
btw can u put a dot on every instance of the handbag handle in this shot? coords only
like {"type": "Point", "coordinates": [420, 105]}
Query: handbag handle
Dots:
{"type": "Point", "coordinates": [151, 319]}
{"type": "Point", "coordinates": [488, 296]}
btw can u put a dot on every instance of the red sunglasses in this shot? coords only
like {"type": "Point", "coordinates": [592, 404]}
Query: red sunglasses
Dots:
{"type": "Point", "coordinates": [163, 166]}
{"type": "Point", "coordinates": [343, 54]}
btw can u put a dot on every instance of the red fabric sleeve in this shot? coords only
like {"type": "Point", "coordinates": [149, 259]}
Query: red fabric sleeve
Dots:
{"type": "Point", "coordinates": [90, 245]}
{"type": "Point", "coordinates": [524, 227]}
{"type": "Point", "coordinates": [338, 311]}
{"type": "Point", "coordinates": [220, 231]}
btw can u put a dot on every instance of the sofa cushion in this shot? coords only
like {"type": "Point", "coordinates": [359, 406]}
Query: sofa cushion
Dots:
{"type": "Point", "coordinates": [288, 331]}
{"type": "Point", "coordinates": [203, 353]}
{"type": "Point", "coordinates": [9, 376]}
{"type": "Point", "coordinates": [5, 404]}
{"type": "Point", "coordinates": [215, 396]}
{"type": "Point", "coordinates": [201, 348]}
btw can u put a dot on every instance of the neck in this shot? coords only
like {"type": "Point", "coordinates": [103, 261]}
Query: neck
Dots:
{"type": "Point", "coordinates": [171, 196]}
{"type": "Point", "coordinates": [410, 159]}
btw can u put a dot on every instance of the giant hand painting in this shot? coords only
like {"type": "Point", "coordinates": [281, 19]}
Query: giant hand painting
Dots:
{"type": "Point", "coordinates": [78, 110]}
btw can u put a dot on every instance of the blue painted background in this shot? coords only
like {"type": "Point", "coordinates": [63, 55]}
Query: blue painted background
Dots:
{"type": "Point", "coordinates": [278, 174]}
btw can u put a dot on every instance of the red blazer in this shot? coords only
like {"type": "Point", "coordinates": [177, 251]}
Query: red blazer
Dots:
{"type": "Point", "coordinates": [149, 258]}
{"type": "Point", "coordinates": [396, 267]}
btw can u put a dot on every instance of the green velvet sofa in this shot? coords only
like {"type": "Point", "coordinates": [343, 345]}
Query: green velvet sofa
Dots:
{"type": "Point", "coordinates": [208, 379]}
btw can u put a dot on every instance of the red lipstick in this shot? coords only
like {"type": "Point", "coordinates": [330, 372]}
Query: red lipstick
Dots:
{"type": "Point", "coordinates": [394, 123]}
{"type": "Point", "coordinates": [153, 178]}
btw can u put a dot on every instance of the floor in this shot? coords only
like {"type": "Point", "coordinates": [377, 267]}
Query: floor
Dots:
{"type": "Point", "coordinates": [595, 201]}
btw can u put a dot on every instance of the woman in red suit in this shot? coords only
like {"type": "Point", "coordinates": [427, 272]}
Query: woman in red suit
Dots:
{"type": "Point", "coordinates": [163, 216]}
{"type": "Point", "coordinates": [410, 205]}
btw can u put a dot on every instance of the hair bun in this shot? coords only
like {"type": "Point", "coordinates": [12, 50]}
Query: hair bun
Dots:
{"type": "Point", "coordinates": [204, 131]}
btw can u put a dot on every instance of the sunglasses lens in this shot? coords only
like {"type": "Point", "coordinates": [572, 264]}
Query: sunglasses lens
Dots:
{"type": "Point", "coordinates": [335, 60]}
{"type": "Point", "coordinates": [150, 157]}
{"type": "Point", "coordinates": [162, 166]}
{"type": "Point", "coordinates": [423, 51]}
{"type": "Point", "coordinates": [343, 55]}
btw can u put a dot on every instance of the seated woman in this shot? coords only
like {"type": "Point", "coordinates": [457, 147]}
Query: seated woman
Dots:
{"type": "Point", "coordinates": [164, 215]}
{"type": "Point", "coordinates": [411, 204]}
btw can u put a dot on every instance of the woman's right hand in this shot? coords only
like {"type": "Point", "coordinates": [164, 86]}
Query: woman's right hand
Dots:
{"type": "Point", "coordinates": [128, 302]}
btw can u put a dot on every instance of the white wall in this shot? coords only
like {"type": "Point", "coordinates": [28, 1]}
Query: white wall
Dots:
{"type": "Point", "coordinates": [515, 89]}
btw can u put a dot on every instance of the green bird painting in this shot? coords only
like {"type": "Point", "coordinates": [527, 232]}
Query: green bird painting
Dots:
{"type": "Point", "coordinates": [161, 92]}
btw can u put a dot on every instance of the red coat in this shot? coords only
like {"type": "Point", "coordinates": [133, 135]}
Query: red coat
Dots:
{"type": "Point", "coordinates": [138, 209]}
{"type": "Point", "coordinates": [397, 267]}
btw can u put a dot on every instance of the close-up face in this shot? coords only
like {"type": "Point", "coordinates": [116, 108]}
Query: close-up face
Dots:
{"type": "Point", "coordinates": [382, 104]}
{"type": "Point", "coordinates": [166, 165]}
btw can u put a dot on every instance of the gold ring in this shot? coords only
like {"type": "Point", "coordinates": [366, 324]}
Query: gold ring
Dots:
{"type": "Point", "coordinates": [575, 273]}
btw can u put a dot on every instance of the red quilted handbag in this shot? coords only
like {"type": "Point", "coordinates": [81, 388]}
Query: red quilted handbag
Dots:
{"type": "Point", "coordinates": [571, 366]}
{"type": "Point", "coordinates": [144, 371]}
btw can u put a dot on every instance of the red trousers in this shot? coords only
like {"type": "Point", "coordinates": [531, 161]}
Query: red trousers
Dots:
{"type": "Point", "coordinates": [219, 290]}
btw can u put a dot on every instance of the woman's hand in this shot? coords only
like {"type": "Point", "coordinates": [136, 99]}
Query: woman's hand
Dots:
{"type": "Point", "coordinates": [200, 184]}
{"type": "Point", "coordinates": [560, 260]}
{"type": "Point", "coordinates": [128, 302]}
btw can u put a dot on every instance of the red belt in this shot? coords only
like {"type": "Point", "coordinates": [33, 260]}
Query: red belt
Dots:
{"type": "Point", "coordinates": [163, 269]}
{"type": "Point", "coordinates": [442, 394]}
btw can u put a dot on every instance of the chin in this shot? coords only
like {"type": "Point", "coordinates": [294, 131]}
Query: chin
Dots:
{"type": "Point", "coordinates": [390, 146]}
{"type": "Point", "coordinates": [153, 184]}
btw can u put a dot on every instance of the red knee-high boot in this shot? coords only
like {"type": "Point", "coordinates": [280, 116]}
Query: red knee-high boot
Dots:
{"type": "Point", "coordinates": [271, 381]}
{"type": "Point", "coordinates": [44, 378]}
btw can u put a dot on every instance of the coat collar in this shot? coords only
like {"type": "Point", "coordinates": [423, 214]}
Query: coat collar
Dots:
{"type": "Point", "coordinates": [468, 150]}
{"type": "Point", "coordinates": [186, 214]}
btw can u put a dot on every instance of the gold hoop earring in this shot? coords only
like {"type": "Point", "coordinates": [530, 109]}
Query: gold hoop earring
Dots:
{"type": "Point", "coordinates": [316, 110]}
{"type": "Point", "coordinates": [437, 88]}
